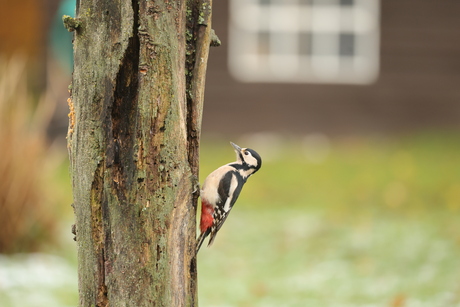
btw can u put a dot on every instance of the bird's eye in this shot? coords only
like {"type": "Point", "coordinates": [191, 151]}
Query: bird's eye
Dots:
{"type": "Point", "coordinates": [246, 153]}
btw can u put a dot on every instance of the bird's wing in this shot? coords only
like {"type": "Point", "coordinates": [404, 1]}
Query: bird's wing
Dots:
{"type": "Point", "coordinates": [229, 190]}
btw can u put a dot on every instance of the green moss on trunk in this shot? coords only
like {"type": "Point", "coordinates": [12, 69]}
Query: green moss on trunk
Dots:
{"type": "Point", "coordinates": [133, 144]}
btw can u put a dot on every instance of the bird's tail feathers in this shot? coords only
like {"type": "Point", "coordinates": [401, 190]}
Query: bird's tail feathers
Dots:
{"type": "Point", "coordinates": [212, 238]}
{"type": "Point", "coordinates": [201, 238]}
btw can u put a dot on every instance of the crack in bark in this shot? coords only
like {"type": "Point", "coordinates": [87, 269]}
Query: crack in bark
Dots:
{"type": "Point", "coordinates": [124, 111]}
{"type": "Point", "coordinates": [197, 45]}
{"type": "Point", "coordinates": [198, 21]}
{"type": "Point", "coordinates": [192, 125]}
{"type": "Point", "coordinates": [97, 231]}
{"type": "Point", "coordinates": [119, 125]}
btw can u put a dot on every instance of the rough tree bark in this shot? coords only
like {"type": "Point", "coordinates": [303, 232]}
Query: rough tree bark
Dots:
{"type": "Point", "coordinates": [135, 117]}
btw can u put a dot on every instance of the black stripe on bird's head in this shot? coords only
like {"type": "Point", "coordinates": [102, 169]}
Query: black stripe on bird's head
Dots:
{"type": "Point", "coordinates": [248, 157]}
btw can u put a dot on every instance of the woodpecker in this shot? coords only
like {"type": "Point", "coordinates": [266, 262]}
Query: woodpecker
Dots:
{"type": "Point", "coordinates": [221, 190]}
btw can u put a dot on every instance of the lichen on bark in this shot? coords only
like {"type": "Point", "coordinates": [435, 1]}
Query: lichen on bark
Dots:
{"type": "Point", "coordinates": [133, 145]}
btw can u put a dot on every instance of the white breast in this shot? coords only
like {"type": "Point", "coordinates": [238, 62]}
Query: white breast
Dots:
{"type": "Point", "coordinates": [211, 183]}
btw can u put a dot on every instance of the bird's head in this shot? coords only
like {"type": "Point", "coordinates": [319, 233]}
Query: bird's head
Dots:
{"type": "Point", "coordinates": [249, 158]}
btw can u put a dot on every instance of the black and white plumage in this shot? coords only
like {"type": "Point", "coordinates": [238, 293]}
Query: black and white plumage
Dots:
{"type": "Point", "coordinates": [221, 190]}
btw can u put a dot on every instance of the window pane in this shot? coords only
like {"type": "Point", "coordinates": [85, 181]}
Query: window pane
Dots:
{"type": "Point", "coordinates": [264, 43]}
{"type": "Point", "coordinates": [347, 44]}
{"type": "Point", "coordinates": [305, 44]}
{"type": "Point", "coordinates": [346, 2]}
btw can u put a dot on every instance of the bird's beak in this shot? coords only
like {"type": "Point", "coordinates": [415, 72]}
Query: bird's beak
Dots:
{"type": "Point", "coordinates": [237, 148]}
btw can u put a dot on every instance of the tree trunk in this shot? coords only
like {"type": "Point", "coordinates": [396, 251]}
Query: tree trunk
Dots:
{"type": "Point", "coordinates": [135, 119]}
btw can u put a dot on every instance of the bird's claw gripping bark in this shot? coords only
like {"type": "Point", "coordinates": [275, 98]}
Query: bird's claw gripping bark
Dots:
{"type": "Point", "coordinates": [196, 185]}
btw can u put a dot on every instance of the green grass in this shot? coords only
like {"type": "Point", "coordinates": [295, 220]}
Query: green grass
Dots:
{"type": "Point", "coordinates": [341, 222]}
{"type": "Point", "coordinates": [374, 222]}
{"type": "Point", "coordinates": [294, 258]}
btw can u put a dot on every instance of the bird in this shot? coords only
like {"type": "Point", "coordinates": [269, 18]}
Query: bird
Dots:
{"type": "Point", "coordinates": [221, 189]}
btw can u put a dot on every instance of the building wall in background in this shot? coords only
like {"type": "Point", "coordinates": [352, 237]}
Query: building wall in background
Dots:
{"type": "Point", "coordinates": [417, 86]}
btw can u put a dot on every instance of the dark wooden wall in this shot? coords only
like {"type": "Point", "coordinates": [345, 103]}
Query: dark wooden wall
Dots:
{"type": "Point", "coordinates": [418, 87]}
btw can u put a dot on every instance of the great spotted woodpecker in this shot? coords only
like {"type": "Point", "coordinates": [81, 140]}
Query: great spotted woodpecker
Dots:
{"type": "Point", "coordinates": [221, 190]}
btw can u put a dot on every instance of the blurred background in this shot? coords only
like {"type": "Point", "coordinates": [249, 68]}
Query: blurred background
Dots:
{"type": "Point", "coordinates": [354, 106]}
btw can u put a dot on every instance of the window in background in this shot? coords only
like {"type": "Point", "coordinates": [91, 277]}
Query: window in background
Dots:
{"type": "Point", "coordinates": [323, 41]}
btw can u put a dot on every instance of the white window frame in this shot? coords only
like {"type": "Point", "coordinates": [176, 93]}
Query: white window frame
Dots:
{"type": "Point", "coordinates": [304, 41]}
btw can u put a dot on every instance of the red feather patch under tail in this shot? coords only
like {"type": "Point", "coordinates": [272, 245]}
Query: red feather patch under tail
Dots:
{"type": "Point", "coordinates": [206, 221]}
{"type": "Point", "coordinates": [206, 216]}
